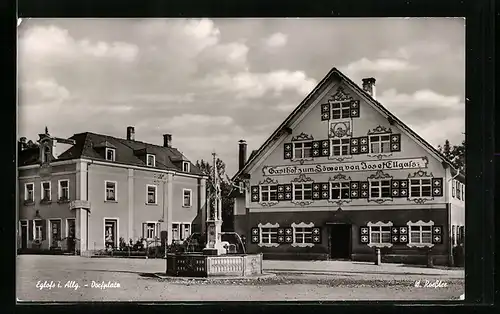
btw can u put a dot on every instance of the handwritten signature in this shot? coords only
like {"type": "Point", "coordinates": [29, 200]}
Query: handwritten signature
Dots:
{"type": "Point", "coordinates": [430, 284]}
{"type": "Point", "coordinates": [71, 284]}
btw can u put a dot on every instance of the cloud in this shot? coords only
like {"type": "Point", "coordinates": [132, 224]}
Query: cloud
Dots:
{"type": "Point", "coordinates": [256, 85]}
{"type": "Point", "coordinates": [379, 65]}
{"type": "Point", "coordinates": [44, 91]}
{"type": "Point", "coordinates": [49, 43]}
{"type": "Point", "coordinates": [277, 40]}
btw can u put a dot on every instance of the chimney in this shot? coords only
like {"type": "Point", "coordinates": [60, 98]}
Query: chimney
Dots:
{"type": "Point", "coordinates": [167, 140]}
{"type": "Point", "coordinates": [130, 133]}
{"type": "Point", "coordinates": [369, 86]}
{"type": "Point", "coordinates": [242, 153]}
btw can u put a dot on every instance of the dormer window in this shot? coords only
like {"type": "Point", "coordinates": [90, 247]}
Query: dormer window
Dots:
{"type": "Point", "coordinates": [185, 166]}
{"type": "Point", "coordinates": [45, 154]}
{"type": "Point", "coordinates": [151, 160]}
{"type": "Point", "coordinates": [110, 154]}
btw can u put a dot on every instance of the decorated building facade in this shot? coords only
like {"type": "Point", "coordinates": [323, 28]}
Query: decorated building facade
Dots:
{"type": "Point", "coordinates": [102, 189]}
{"type": "Point", "coordinates": [342, 176]}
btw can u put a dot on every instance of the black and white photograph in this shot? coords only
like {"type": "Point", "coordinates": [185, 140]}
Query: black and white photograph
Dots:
{"type": "Point", "coordinates": [240, 159]}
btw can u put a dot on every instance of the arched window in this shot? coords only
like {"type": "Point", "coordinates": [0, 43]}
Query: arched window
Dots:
{"type": "Point", "coordinates": [46, 154]}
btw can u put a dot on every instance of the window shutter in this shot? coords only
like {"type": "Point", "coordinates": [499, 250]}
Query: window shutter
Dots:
{"type": "Point", "coordinates": [287, 151]}
{"type": "Point", "coordinates": [395, 188]}
{"type": "Point", "coordinates": [395, 142]}
{"type": "Point", "coordinates": [355, 108]}
{"type": "Point", "coordinates": [255, 235]}
{"type": "Point", "coordinates": [30, 229]}
{"type": "Point", "coordinates": [437, 234]}
{"type": "Point", "coordinates": [281, 192]}
{"type": "Point", "coordinates": [354, 185]}
{"type": "Point", "coordinates": [316, 150]}
{"type": "Point", "coordinates": [325, 148]}
{"type": "Point", "coordinates": [316, 191]}
{"type": "Point", "coordinates": [394, 234]}
{"type": "Point", "coordinates": [363, 189]}
{"type": "Point", "coordinates": [403, 234]}
{"type": "Point", "coordinates": [325, 190]}
{"type": "Point", "coordinates": [325, 112]}
{"type": "Point", "coordinates": [44, 229]}
{"type": "Point", "coordinates": [288, 192]}
{"type": "Point", "coordinates": [288, 235]}
{"type": "Point", "coordinates": [255, 193]}
{"type": "Point", "coordinates": [403, 188]}
{"type": "Point", "coordinates": [281, 235]}
{"type": "Point", "coordinates": [453, 190]}
{"type": "Point", "coordinates": [145, 230]}
{"type": "Point", "coordinates": [363, 145]}
{"type": "Point", "coordinates": [158, 230]}
{"type": "Point", "coordinates": [364, 235]}
{"type": "Point", "coordinates": [437, 187]}
{"type": "Point", "coordinates": [316, 234]}
{"type": "Point", "coordinates": [354, 146]}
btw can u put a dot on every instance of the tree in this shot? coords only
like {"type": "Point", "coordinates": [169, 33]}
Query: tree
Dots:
{"type": "Point", "coordinates": [225, 185]}
{"type": "Point", "coordinates": [26, 144]}
{"type": "Point", "coordinates": [455, 154]}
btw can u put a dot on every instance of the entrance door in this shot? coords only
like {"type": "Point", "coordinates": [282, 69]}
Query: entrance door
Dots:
{"type": "Point", "coordinates": [71, 235]}
{"type": "Point", "coordinates": [24, 234]}
{"type": "Point", "coordinates": [55, 233]}
{"type": "Point", "coordinates": [110, 233]}
{"type": "Point", "coordinates": [340, 241]}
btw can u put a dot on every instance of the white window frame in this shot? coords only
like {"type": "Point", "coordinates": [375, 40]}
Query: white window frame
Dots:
{"type": "Point", "coordinates": [344, 105]}
{"type": "Point", "coordinates": [60, 188]}
{"type": "Point", "coordinates": [274, 231]}
{"type": "Point", "coordinates": [380, 143]}
{"type": "Point", "coordinates": [49, 229]}
{"type": "Point", "coordinates": [340, 189]}
{"type": "Point", "coordinates": [303, 233]}
{"type": "Point", "coordinates": [370, 187]}
{"type": "Point", "coordinates": [24, 223]}
{"type": "Point", "coordinates": [463, 192]}
{"type": "Point", "coordinates": [185, 235]}
{"type": "Point", "coordinates": [106, 191]}
{"type": "Point", "coordinates": [458, 190]}
{"type": "Point", "coordinates": [303, 189]}
{"type": "Point", "coordinates": [155, 230]}
{"type": "Point", "coordinates": [380, 224]}
{"type": "Point", "coordinates": [147, 194]}
{"type": "Point", "coordinates": [32, 191]}
{"type": "Point", "coordinates": [178, 224]}
{"type": "Point", "coordinates": [181, 230]}
{"type": "Point", "coordinates": [347, 144]}
{"type": "Point", "coordinates": [35, 227]}
{"type": "Point", "coordinates": [117, 230]}
{"type": "Point", "coordinates": [270, 190]}
{"type": "Point", "coordinates": [302, 150]}
{"type": "Point", "coordinates": [190, 198]}
{"type": "Point", "coordinates": [106, 154]}
{"type": "Point", "coordinates": [420, 224]}
{"type": "Point", "coordinates": [43, 190]}
{"type": "Point", "coordinates": [46, 151]}
{"type": "Point", "coordinates": [147, 160]}
{"type": "Point", "coordinates": [67, 226]}
{"type": "Point", "coordinates": [186, 166]}
{"type": "Point", "coordinates": [420, 185]}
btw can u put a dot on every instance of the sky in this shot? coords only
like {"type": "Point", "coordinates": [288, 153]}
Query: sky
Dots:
{"type": "Point", "coordinates": [212, 82]}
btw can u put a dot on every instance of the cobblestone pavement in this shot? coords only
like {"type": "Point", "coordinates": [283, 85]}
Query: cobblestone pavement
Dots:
{"type": "Point", "coordinates": [294, 281]}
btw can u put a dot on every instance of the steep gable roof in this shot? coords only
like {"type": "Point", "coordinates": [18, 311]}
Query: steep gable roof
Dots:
{"type": "Point", "coordinates": [87, 145]}
{"type": "Point", "coordinates": [334, 72]}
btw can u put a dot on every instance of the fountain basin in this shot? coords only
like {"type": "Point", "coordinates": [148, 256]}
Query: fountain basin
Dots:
{"type": "Point", "coordinates": [199, 265]}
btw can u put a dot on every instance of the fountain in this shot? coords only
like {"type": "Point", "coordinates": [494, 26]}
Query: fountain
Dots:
{"type": "Point", "coordinates": [218, 258]}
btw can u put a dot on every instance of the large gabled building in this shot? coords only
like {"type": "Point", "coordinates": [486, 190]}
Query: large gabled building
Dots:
{"type": "Point", "coordinates": [342, 176]}
{"type": "Point", "coordinates": [105, 188]}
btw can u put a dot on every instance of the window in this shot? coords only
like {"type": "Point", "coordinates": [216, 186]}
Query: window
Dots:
{"type": "Point", "coordinates": [454, 235]}
{"type": "Point", "coordinates": [420, 188]}
{"type": "Point", "coordinates": [302, 150]}
{"type": "Point", "coordinates": [421, 234]}
{"type": "Point", "coordinates": [380, 234]}
{"type": "Point", "coordinates": [303, 235]}
{"type": "Point", "coordinates": [339, 190]}
{"type": "Point", "coordinates": [458, 190]}
{"type": "Point", "coordinates": [110, 154]}
{"type": "Point", "coordinates": [185, 166]}
{"type": "Point", "coordinates": [63, 190]}
{"type": "Point", "coordinates": [380, 144]}
{"type": "Point", "coordinates": [151, 194]}
{"type": "Point", "coordinates": [340, 147]}
{"type": "Point", "coordinates": [187, 198]}
{"type": "Point", "coordinates": [463, 192]}
{"type": "Point", "coordinates": [268, 193]}
{"type": "Point", "coordinates": [269, 235]}
{"type": "Point", "coordinates": [37, 230]}
{"type": "Point", "coordinates": [186, 231]}
{"type": "Point", "coordinates": [46, 191]}
{"type": "Point", "coordinates": [151, 230]}
{"type": "Point", "coordinates": [46, 154]}
{"type": "Point", "coordinates": [302, 191]}
{"type": "Point", "coordinates": [341, 110]}
{"type": "Point", "coordinates": [29, 190]}
{"type": "Point", "coordinates": [110, 191]}
{"type": "Point", "coordinates": [175, 232]}
{"type": "Point", "coordinates": [380, 189]}
{"type": "Point", "coordinates": [151, 160]}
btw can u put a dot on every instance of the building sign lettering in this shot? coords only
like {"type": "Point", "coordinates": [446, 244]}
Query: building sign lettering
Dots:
{"type": "Point", "coordinates": [371, 165]}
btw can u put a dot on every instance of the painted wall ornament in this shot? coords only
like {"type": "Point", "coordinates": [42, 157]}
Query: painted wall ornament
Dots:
{"type": "Point", "coordinates": [340, 177]}
{"type": "Point", "coordinates": [302, 178]}
{"type": "Point", "coordinates": [340, 129]}
{"type": "Point", "coordinates": [303, 137]}
{"type": "Point", "coordinates": [379, 130]}
{"type": "Point", "coordinates": [340, 95]}
{"type": "Point", "coordinates": [268, 180]}
{"type": "Point", "coordinates": [380, 175]}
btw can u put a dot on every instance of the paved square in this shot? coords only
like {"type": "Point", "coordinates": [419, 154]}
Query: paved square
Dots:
{"type": "Point", "coordinates": [294, 281]}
